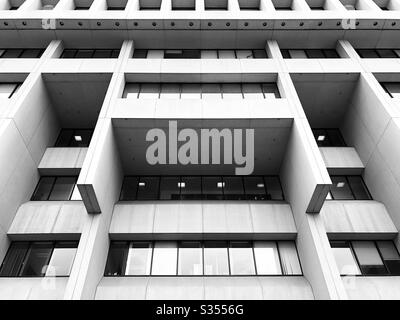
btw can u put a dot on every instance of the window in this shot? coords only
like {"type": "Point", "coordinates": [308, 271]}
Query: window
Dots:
{"type": "Point", "coordinates": [149, 4]}
{"type": "Point", "coordinates": [39, 259]}
{"type": "Point", "coordinates": [183, 4]}
{"type": "Point", "coordinates": [349, 188]}
{"type": "Point", "coordinates": [379, 53]}
{"type": "Point", "coordinates": [116, 4]}
{"type": "Point", "coordinates": [48, 4]}
{"type": "Point", "coordinates": [198, 258]}
{"type": "Point", "coordinates": [371, 258]}
{"type": "Point", "coordinates": [249, 4]}
{"type": "Point", "coordinates": [392, 88]}
{"type": "Point", "coordinates": [70, 138]}
{"type": "Point", "coordinates": [56, 188]}
{"type": "Point", "coordinates": [309, 54]}
{"type": "Point", "coordinates": [21, 53]}
{"type": "Point", "coordinates": [181, 54]}
{"type": "Point", "coordinates": [201, 91]}
{"type": "Point", "coordinates": [164, 258]}
{"type": "Point", "coordinates": [216, 260]}
{"type": "Point", "coordinates": [190, 260]}
{"type": "Point", "coordinates": [198, 188]}
{"type": "Point", "coordinates": [215, 4]}
{"type": "Point", "coordinates": [200, 54]}
{"type": "Point", "coordinates": [7, 90]}
{"type": "Point", "coordinates": [328, 138]}
{"type": "Point", "coordinates": [89, 53]}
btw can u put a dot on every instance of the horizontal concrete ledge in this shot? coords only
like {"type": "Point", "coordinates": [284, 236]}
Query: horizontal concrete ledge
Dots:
{"type": "Point", "coordinates": [372, 288]}
{"type": "Point", "coordinates": [62, 161]}
{"type": "Point", "coordinates": [208, 288]}
{"type": "Point", "coordinates": [199, 218]}
{"type": "Point", "coordinates": [48, 220]}
{"type": "Point", "coordinates": [32, 288]}
{"type": "Point", "coordinates": [357, 220]}
{"type": "Point", "coordinates": [342, 160]}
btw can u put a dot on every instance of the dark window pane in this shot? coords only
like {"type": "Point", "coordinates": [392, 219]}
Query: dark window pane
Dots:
{"type": "Point", "coordinates": [340, 189]}
{"type": "Point", "coordinates": [368, 258]}
{"type": "Point", "coordinates": [64, 138]}
{"type": "Point", "coordinates": [321, 137]}
{"type": "Point", "coordinates": [12, 53]}
{"type": "Point", "coordinates": [335, 138]}
{"type": "Point", "coordinates": [31, 53]}
{"type": "Point", "coordinates": [43, 189]}
{"type": "Point", "coordinates": [315, 54]}
{"type": "Point", "coordinates": [139, 54]}
{"type": "Point", "coordinates": [386, 53]}
{"type": "Point", "coordinates": [358, 187]}
{"type": "Point", "coordinates": [170, 188]}
{"type": "Point", "coordinates": [115, 53]}
{"type": "Point", "coordinates": [37, 259]}
{"type": "Point", "coordinates": [285, 54]}
{"type": "Point", "coordinates": [260, 54]}
{"type": "Point", "coordinates": [63, 188]}
{"type": "Point", "coordinates": [148, 188]}
{"type": "Point", "coordinates": [368, 53]}
{"type": "Point", "coordinates": [233, 188]}
{"type": "Point", "coordinates": [13, 261]}
{"type": "Point", "coordinates": [390, 256]}
{"type": "Point", "coordinates": [274, 189]}
{"type": "Point", "coordinates": [191, 188]}
{"type": "Point", "coordinates": [212, 188]}
{"type": "Point", "coordinates": [106, 53]}
{"type": "Point", "coordinates": [254, 188]}
{"type": "Point", "coordinates": [68, 53]}
{"type": "Point", "coordinates": [129, 189]}
{"type": "Point", "coordinates": [116, 261]}
{"type": "Point", "coordinates": [81, 138]}
{"type": "Point", "coordinates": [83, 54]}
{"type": "Point", "coordinates": [331, 53]}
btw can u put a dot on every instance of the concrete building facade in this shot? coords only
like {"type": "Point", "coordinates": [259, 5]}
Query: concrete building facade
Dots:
{"type": "Point", "coordinates": [83, 82]}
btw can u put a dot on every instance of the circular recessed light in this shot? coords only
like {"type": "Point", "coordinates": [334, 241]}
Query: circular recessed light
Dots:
{"type": "Point", "coordinates": [5, 23]}
{"type": "Point", "coordinates": [357, 23]}
{"type": "Point", "coordinates": [154, 24]}
{"type": "Point", "coordinates": [338, 23]}
{"type": "Point", "coordinates": [246, 24]}
{"type": "Point", "coordinates": [283, 24]}
{"type": "Point", "coordinates": [135, 24]}
{"type": "Point", "coordinates": [117, 24]}
{"type": "Point", "coordinates": [99, 23]}
{"type": "Point", "coordinates": [228, 24]}
{"type": "Point", "coordinates": [393, 23]}
{"type": "Point", "coordinates": [191, 24]}
{"type": "Point", "coordinates": [80, 23]}
{"type": "Point", "coordinates": [301, 24]}
{"type": "Point", "coordinates": [24, 23]}
{"type": "Point", "coordinates": [320, 23]}
{"type": "Point", "coordinates": [209, 24]}
{"type": "Point", "coordinates": [265, 24]}
{"type": "Point", "coordinates": [61, 23]}
{"type": "Point", "coordinates": [172, 24]}
{"type": "Point", "coordinates": [375, 23]}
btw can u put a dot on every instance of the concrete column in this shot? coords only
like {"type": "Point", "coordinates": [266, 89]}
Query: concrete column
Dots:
{"type": "Point", "coordinates": [306, 189]}
{"type": "Point", "coordinates": [100, 184]}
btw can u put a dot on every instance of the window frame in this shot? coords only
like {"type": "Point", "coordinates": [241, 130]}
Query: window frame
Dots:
{"type": "Point", "coordinates": [350, 245]}
{"type": "Point", "coordinates": [52, 187]}
{"type": "Point", "coordinates": [203, 197]}
{"type": "Point", "coordinates": [202, 242]}
{"type": "Point", "coordinates": [26, 256]}
{"type": "Point", "coordinates": [351, 189]}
